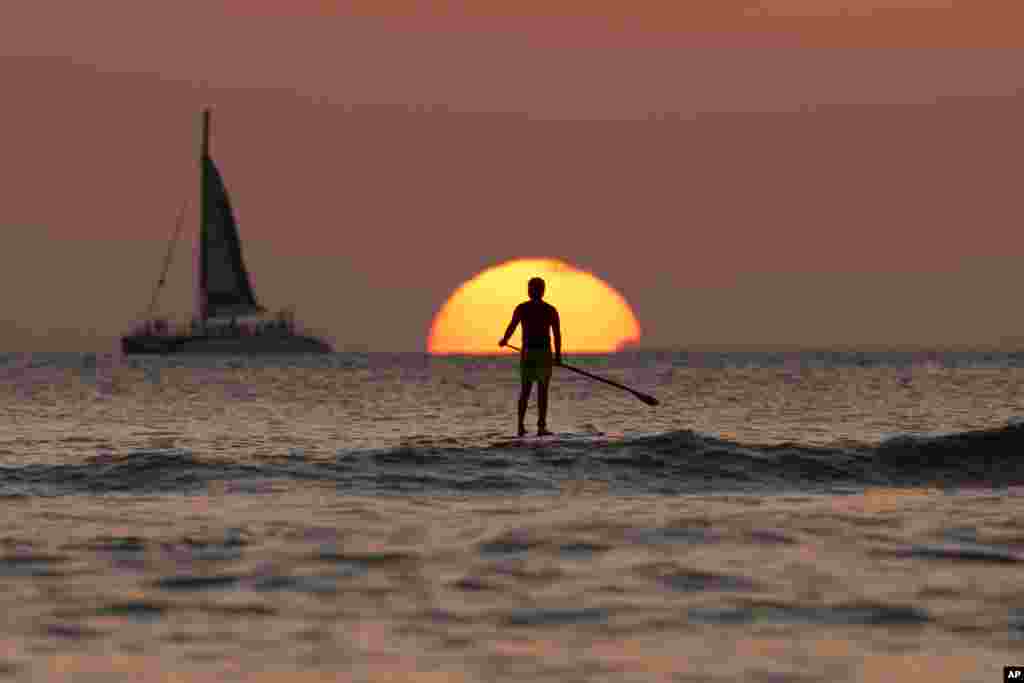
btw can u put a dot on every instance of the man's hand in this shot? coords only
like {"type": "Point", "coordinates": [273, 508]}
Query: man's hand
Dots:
{"type": "Point", "coordinates": [503, 342]}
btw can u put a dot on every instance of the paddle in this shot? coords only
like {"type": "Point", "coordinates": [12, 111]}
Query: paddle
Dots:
{"type": "Point", "coordinates": [646, 398]}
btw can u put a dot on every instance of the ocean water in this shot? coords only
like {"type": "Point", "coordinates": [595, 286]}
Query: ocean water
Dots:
{"type": "Point", "coordinates": [830, 516]}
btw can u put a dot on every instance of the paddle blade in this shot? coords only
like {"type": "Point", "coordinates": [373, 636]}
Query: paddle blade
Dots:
{"type": "Point", "coordinates": [649, 400]}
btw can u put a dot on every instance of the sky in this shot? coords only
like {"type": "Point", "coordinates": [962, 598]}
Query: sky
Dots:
{"type": "Point", "coordinates": [773, 174]}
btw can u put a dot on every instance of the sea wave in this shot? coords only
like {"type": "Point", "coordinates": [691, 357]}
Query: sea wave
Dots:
{"type": "Point", "coordinates": [670, 462]}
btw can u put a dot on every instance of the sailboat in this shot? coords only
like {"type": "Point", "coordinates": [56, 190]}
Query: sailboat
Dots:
{"type": "Point", "coordinates": [229, 320]}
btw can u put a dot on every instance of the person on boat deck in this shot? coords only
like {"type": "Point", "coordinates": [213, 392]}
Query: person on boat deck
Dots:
{"type": "Point", "coordinates": [539, 319]}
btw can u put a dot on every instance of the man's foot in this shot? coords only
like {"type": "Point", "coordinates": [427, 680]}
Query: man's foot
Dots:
{"type": "Point", "coordinates": [543, 431]}
{"type": "Point", "coordinates": [522, 430]}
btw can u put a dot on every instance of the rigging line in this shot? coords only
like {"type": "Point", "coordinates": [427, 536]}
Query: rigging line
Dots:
{"type": "Point", "coordinates": [167, 259]}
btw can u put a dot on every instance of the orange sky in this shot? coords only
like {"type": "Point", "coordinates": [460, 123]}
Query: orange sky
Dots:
{"type": "Point", "coordinates": [815, 172]}
{"type": "Point", "coordinates": [647, 23]}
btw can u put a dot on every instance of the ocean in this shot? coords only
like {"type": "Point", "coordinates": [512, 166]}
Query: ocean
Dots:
{"type": "Point", "coordinates": [370, 517]}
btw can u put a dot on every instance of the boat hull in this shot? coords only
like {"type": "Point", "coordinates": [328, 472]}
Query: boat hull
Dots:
{"type": "Point", "coordinates": [222, 346]}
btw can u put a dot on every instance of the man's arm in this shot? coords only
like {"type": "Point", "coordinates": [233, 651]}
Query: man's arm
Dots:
{"type": "Point", "coordinates": [556, 329]}
{"type": "Point", "coordinates": [511, 326]}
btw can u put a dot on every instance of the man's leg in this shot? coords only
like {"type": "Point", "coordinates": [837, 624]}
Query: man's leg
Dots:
{"type": "Point", "coordinates": [542, 405]}
{"type": "Point", "coordinates": [524, 398]}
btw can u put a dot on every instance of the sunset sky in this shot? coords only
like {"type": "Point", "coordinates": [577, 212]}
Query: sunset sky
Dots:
{"type": "Point", "coordinates": [812, 173]}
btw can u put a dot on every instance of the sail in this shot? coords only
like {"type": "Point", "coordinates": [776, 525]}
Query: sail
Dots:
{"type": "Point", "coordinates": [223, 281]}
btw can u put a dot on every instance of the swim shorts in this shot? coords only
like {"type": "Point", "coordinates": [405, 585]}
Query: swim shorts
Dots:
{"type": "Point", "coordinates": [535, 365]}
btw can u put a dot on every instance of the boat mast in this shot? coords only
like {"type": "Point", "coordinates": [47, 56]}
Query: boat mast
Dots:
{"type": "Point", "coordinates": [206, 132]}
{"type": "Point", "coordinates": [204, 152]}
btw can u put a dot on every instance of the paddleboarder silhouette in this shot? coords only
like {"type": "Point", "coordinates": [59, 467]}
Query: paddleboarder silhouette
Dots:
{"type": "Point", "coordinates": [539, 320]}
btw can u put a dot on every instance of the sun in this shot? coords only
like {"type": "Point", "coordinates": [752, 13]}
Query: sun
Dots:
{"type": "Point", "coordinates": [594, 317]}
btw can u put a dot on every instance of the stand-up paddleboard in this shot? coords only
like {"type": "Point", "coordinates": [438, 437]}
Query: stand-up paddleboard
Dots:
{"type": "Point", "coordinates": [557, 439]}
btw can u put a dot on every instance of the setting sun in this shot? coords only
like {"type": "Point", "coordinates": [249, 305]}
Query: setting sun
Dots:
{"type": "Point", "coordinates": [594, 317]}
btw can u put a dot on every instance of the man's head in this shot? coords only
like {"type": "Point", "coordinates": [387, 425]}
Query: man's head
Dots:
{"type": "Point", "coordinates": [536, 288]}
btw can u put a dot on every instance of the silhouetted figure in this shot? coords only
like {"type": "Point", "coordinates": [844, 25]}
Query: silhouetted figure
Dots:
{"type": "Point", "coordinates": [539, 320]}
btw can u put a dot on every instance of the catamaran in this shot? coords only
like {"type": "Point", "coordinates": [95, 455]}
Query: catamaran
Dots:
{"type": "Point", "coordinates": [229, 321]}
